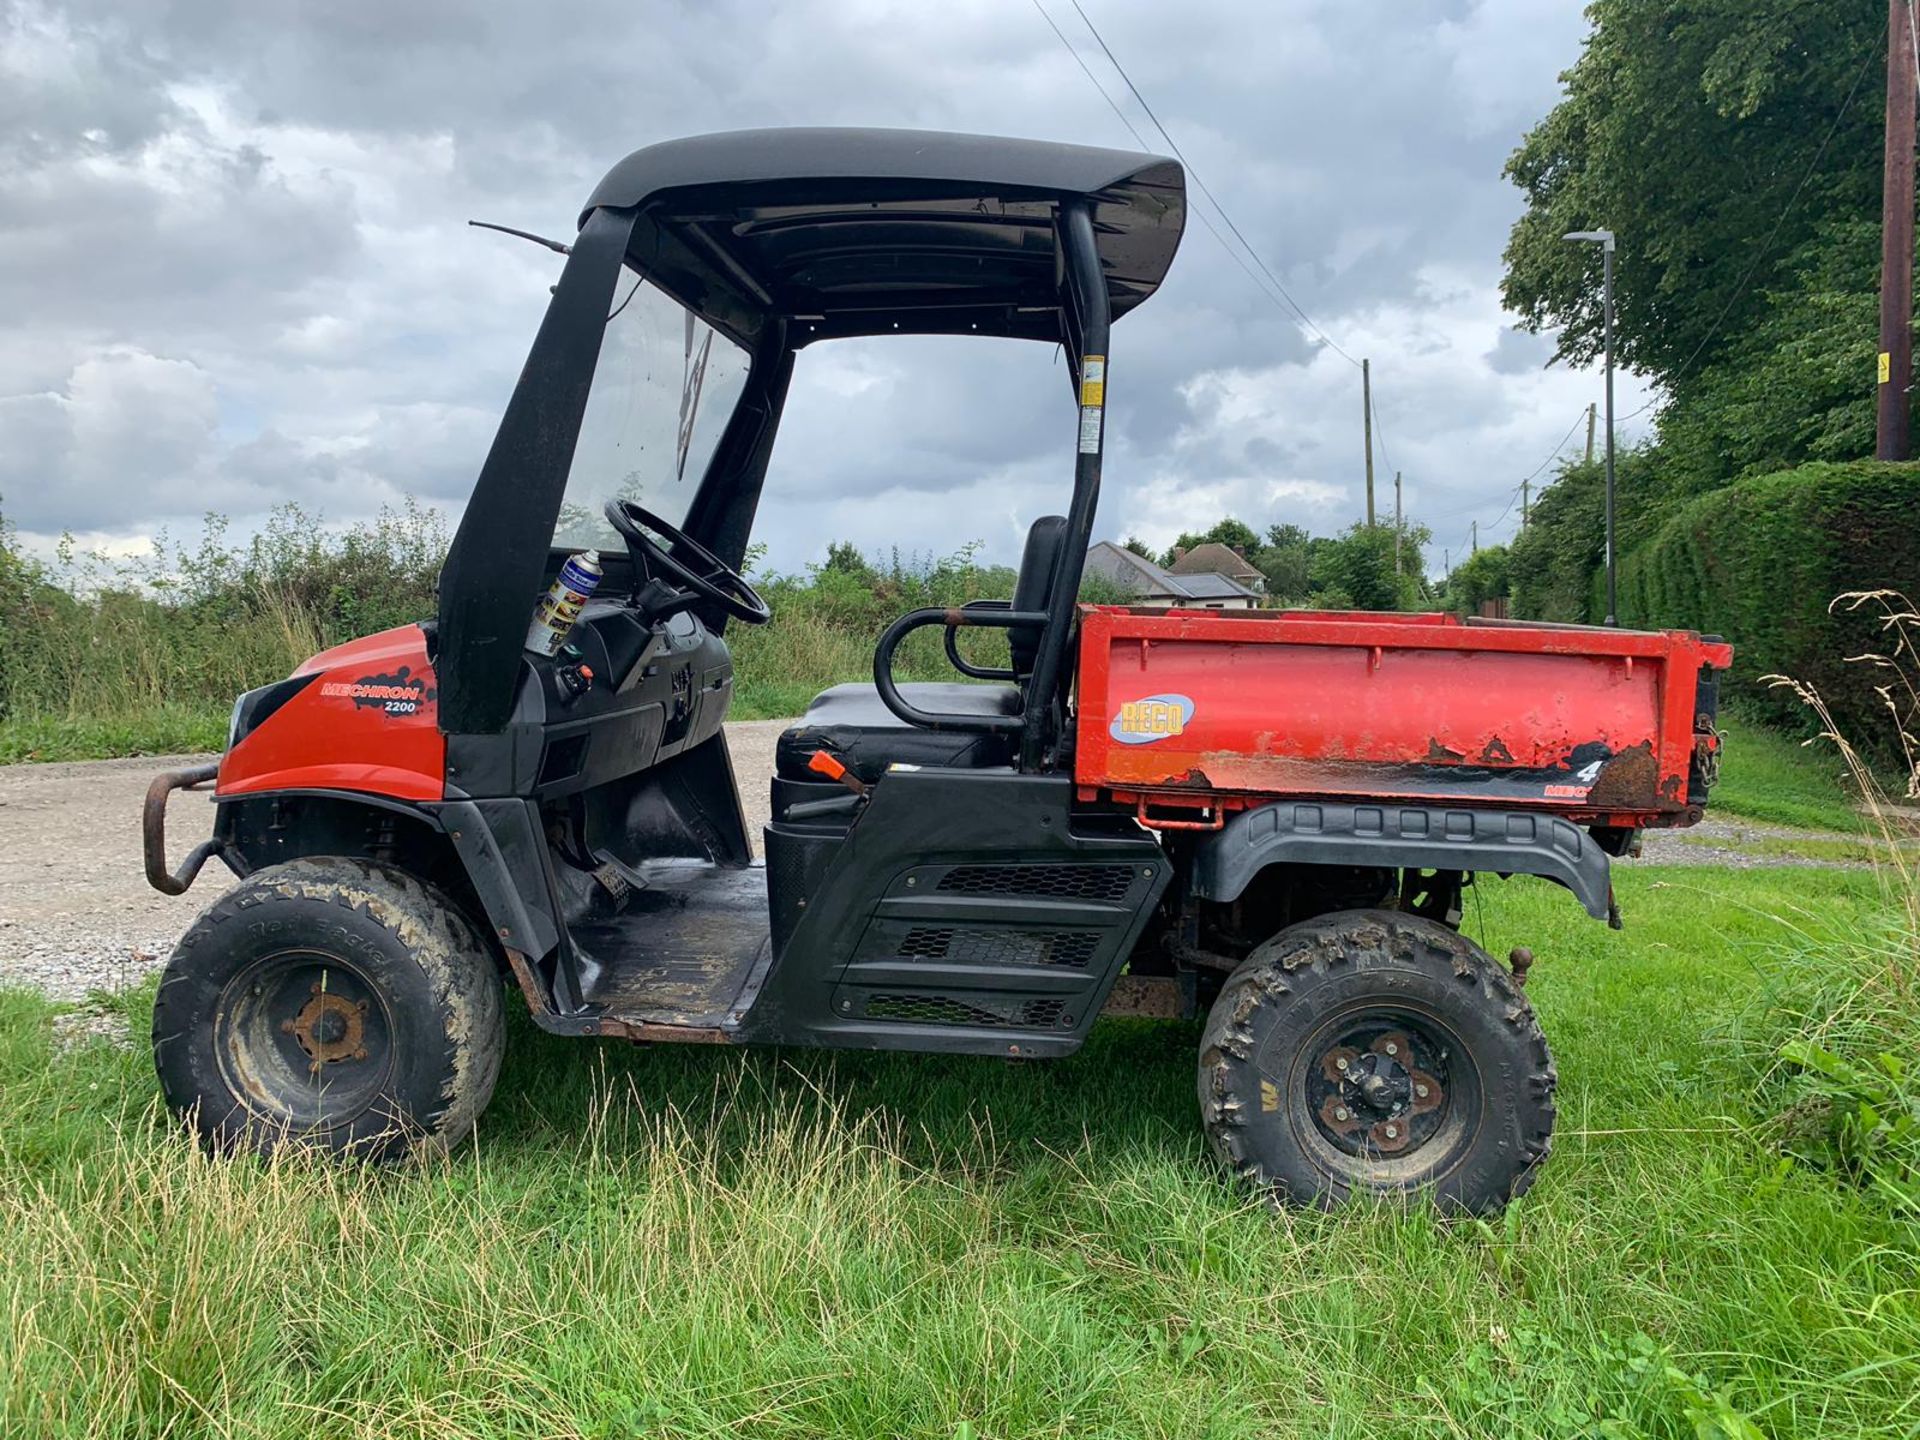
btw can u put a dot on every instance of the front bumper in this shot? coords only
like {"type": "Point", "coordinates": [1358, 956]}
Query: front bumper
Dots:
{"type": "Point", "coordinates": [153, 830]}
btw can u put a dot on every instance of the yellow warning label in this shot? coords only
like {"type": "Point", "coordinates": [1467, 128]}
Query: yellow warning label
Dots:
{"type": "Point", "coordinates": [1093, 380]}
{"type": "Point", "coordinates": [1886, 368]}
{"type": "Point", "coordinates": [1269, 1097]}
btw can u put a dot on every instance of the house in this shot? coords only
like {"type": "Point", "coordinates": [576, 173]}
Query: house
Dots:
{"type": "Point", "coordinates": [1154, 586]}
{"type": "Point", "coordinates": [1214, 558]}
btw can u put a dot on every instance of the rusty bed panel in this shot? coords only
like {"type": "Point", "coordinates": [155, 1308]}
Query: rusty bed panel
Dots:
{"type": "Point", "coordinates": [1205, 711]}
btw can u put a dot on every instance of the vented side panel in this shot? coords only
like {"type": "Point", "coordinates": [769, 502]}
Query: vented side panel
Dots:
{"type": "Point", "coordinates": [974, 1011]}
{"type": "Point", "coordinates": [1051, 882]}
{"type": "Point", "coordinates": [1073, 949]}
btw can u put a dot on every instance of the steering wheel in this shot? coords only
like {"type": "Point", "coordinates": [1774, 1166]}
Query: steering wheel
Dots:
{"type": "Point", "coordinates": [714, 580]}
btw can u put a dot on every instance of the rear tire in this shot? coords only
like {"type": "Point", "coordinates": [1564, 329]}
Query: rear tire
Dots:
{"type": "Point", "coordinates": [1377, 1052]}
{"type": "Point", "coordinates": [332, 1003]}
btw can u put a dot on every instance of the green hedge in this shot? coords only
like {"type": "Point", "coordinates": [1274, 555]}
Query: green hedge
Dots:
{"type": "Point", "coordinates": [1760, 561]}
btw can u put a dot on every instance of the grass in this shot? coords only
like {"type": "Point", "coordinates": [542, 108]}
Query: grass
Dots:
{"type": "Point", "coordinates": [681, 1242]}
{"type": "Point", "coordinates": [1771, 776]}
{"type": "Point", "coordinates": [159, 730]}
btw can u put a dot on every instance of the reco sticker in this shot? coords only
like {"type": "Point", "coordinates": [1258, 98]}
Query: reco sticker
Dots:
{"type": "Point", "coordinates": [1156, 717]}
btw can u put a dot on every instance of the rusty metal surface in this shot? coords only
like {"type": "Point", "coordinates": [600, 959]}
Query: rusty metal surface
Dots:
{"type": "Point", "coordinates": [1153, 997]}
{"type": "Point", "coordinates": [642, 1031]}
{"type": "Point", "coordinates": [153, 829]}
{"type": "Point", "coordinates": [530, 987]}
{"type": "Point", "coordinates": [329, 1028]}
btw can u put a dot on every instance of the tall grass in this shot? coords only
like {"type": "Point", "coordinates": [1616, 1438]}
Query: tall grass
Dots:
{"type": "Point", "coordinates": [1843, 1018]}
{"type": "Point", "coordinates": [101, 656]}
{"type": "Point", "coordinates": [98, 652]}
{"type": "Point", "coordinates": [684, 1242]}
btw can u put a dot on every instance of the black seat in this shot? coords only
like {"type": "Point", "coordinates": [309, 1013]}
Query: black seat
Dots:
{"type": "Point", "coordinates": [851, 722]}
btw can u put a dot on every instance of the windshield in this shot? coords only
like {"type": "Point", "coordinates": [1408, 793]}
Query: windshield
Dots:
{"type": "Point", "coordinates": [664, 387]}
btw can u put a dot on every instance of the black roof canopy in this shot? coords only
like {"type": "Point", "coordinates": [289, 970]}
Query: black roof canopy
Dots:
{"type": "Point", "coordinates": [864, 232]}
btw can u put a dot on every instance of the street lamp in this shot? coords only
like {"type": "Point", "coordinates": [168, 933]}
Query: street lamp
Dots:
{"type": "Point", "coordinates": [1604, 239]}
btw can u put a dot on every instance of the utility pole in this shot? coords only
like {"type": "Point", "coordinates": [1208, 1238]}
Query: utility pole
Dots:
{"type": "Point", "coordinates": [1396, 524]}
{"type": "Point", "coordinates": [1591, 408]}
{"type": "Point", "coordinates": [1526, 489]}
{"type": "Point", "coordinates": [1476, 537]}
{"type": "Point", "coordinates": [1896, 240]}
{"type": "Point", "coordinates": [1446, 564]}
{"type": "Point", "coordinates": [1604, 239]}
{"type": "Point", "coordinates": [1366, 402]}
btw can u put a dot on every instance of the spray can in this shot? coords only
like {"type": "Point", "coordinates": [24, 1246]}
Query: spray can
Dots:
{"type": "Point", "coordinates": [559, 608]}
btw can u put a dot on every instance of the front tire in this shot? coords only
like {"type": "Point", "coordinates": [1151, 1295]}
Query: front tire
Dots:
{"type": "Point", "coordinates": [333, 1003]}
{"type": "Point", "coordinates": [1377, 1052]}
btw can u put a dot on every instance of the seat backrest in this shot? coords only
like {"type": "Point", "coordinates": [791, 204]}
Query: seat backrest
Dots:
{"type": "Point", "coordinates": [1034, 587]}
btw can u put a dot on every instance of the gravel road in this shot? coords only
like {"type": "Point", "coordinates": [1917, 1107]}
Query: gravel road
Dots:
{"type": "Point", "coordinates": [76, 912]}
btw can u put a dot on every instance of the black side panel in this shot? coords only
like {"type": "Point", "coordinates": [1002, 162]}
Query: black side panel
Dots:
{"type": "Point", "coordinates": [505, 856]}
{"type": "Point", "coordinates": [1401, 837]}
{"type": "Point", "coordinates": [493, 574]}
{"type": "Point", "coordinates": [965, 912]}
{"type": "Point", "coordinates": [686, 806]}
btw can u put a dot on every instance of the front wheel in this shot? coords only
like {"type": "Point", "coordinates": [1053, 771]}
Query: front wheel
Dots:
{"type": "Point", "coordinates": [333, 1003]}
{"type": "Point", "coordinates": [1377, 1052]}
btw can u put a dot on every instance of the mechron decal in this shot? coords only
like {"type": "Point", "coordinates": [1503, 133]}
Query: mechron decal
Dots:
{"type": "Point", "coordinates": [1157, 717]}
{"type": "Point", "coordinates": [401, 693]}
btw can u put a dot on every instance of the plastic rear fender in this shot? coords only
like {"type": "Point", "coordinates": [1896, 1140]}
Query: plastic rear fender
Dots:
{"type": "Point", "coordinates": [1401, 837]}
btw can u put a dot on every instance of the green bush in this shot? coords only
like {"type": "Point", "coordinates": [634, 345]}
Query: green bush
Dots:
{"type": "Point", "coordinates": [1761, 561]}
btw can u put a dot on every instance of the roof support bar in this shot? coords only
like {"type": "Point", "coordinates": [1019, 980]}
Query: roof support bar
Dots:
{"type": "Point", "coordinates": [1086, 297]}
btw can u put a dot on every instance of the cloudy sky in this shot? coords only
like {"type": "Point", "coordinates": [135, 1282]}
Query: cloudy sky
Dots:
{"type": "Point", "coordinates": [234, 267]}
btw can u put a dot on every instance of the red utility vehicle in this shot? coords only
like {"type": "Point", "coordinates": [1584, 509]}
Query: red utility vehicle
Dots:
{"type": "Point", "coordinates": [1263, 818]}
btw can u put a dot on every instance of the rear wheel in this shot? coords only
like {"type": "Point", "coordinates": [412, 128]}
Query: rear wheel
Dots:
{"type": "Point", "coordinates": [330, 1002]}
{"type": "Point", "coordinates": [1375, 1051]}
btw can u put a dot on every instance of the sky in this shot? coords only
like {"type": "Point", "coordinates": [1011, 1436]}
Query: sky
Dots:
{"type": "Point", "coordinates": [235, 269]}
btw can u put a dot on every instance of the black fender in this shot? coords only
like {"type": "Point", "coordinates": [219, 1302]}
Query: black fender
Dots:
{"type": "Point", "coordinates": [1505, 842]}
{"type": "Point", "coordinates": [490, 853]}
{"type": "Point", "coordinates": [505, 855]}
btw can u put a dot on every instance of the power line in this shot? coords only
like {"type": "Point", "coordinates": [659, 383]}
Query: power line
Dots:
{"type": "Point", "coordinates": [1205, 190]}
{"type": "Point", "coordinates": [1513, 496]}
{"type": "Point", "coordinates": [1144, 144]}
{"type": "Point", "coordinates": [1766, 246]}
{"type": "Point", "coordinates": [1555, 453]}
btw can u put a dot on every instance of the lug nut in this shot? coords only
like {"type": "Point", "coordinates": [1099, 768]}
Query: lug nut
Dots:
{"type": "Point", "coordinates": [1391, 1048]}
{"type": "Point", "coordinates": [1421, 1091]}
{"type": "Point", "coordinates": [1393, 1132]}
{"type": "Point", "coordinates": [1341, 1062]}
{"type": "Point", "coordinates": [1340, 1114]}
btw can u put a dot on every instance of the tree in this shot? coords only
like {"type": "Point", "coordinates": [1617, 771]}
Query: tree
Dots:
{"type": "Point", "coordinates": [1236, 535]}
{"type": "Point", "coordinates": [1356, 568]}
{"type": "Point", "coordinates": [1137, 546]}
{"type": "Point", "coordinates": [844, 558]}
{"type": "Point", "coordinates": [1480, 578]}
{"type": "Point", "coordinates": [1287, 562]}
{"type": "Point", "coordinates": [1686, 128]}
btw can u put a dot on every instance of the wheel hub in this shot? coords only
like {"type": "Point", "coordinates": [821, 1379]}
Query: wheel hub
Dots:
{"type": "Point", "coordinates": [1382, 1098]}
{"type": "Point", "coordinates": [330, 1028]}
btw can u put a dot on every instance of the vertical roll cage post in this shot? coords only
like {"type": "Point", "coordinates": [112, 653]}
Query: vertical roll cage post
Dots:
{"type": "Point", "coordinates": [1086, 315]}
{"type": "Point", "coordinates": [490, 571]}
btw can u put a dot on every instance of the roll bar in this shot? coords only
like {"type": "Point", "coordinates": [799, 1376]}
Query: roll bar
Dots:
{"type": "Point", "coordinates": [1087, 316]}
{"type": "Point", "coordinates": [953, 619]}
